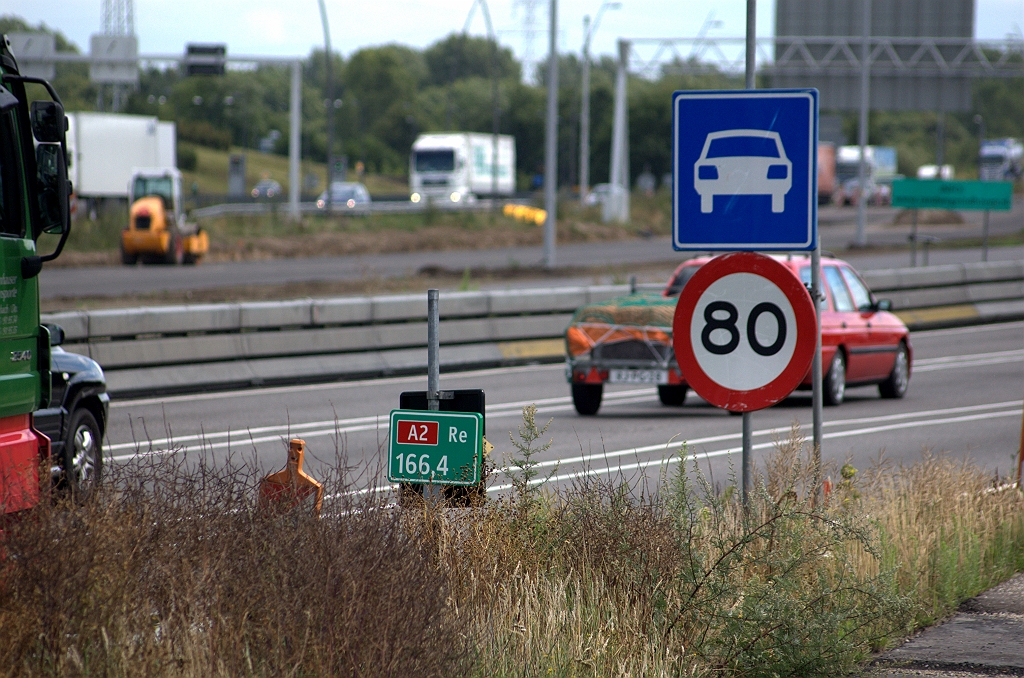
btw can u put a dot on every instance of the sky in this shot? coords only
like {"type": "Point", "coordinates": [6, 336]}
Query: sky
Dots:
{"type": "Point", "coordinates": [293, 28]}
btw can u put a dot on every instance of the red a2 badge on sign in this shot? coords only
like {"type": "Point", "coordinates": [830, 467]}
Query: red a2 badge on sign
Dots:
{"type": "Point", "coordinates": [417, 432]}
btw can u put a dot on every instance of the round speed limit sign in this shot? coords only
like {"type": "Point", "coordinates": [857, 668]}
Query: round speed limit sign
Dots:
{"type": "Point", "coordinates": [744, 331]}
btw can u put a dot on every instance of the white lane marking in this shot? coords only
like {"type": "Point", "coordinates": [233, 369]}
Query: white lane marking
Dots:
{"type": "Point", "coordinates": [779, 431]}
{"type": "Point", "coordinates": [969, 356]}
{"type": "Point", "coordinates": [969, 360]}
{"type": "Point", "coordinates": [924, 417]}
{"type": "Point", "coordinates": [300, 388]}
{"type": "Point", "coordinates": [666, 461]}
{"type": "Point", "coordinates": [973, 329]}
{"type": "Point", "coordinates": [321, 429]}
{"type": "Point", "coordinates": [674, 459]}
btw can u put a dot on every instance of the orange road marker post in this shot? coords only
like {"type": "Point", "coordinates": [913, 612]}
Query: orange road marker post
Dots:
{"type": "Point", "coordinates": [291, 486]}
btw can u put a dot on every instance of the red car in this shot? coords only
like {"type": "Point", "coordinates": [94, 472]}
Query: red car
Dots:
{"type": "Point", "coordinates": [629, 339]}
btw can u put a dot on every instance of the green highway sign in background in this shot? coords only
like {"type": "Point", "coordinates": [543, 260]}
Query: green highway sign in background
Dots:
{"type": "Point", "coordinates": [952, 195]}
{"type": "Point", "coordinates": [439, 448]}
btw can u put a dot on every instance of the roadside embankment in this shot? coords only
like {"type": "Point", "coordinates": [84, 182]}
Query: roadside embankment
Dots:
{"type": "Point", "coordinates": [173, 570]}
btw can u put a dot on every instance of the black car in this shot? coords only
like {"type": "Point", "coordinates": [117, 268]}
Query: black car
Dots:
{"type": "Point", "coordinates": [76, 418]}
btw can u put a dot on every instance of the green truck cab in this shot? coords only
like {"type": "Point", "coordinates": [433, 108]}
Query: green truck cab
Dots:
{"type": "Point", "coordinates": [34, 199]}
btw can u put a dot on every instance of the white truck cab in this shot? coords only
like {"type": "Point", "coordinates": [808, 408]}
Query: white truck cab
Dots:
{"type": "Point", "coordinates": [457, 167]}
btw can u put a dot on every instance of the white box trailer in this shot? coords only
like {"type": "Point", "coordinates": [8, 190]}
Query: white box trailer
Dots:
{"type": "Point", "coordinates": [458, 166]}
{"type": "Point", "coordinates": [103, 148]}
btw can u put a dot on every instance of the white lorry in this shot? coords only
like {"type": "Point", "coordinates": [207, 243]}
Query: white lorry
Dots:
{"type": "Point", "coordinates": [457, 167]}
{"type": "Point", "coordinates": [104, 148]}
{"type": "Point", "coordinates": [881, 166]}
{"type": "Point", "coordinates": [1000, 160]}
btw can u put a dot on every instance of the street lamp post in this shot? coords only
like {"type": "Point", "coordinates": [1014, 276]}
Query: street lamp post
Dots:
{"type": "Point", "coordinates": [588, 34]}
{"type": "Point", "coordinates": [980, 122]}
{"type": "Point", "coordinates": [329, 74]}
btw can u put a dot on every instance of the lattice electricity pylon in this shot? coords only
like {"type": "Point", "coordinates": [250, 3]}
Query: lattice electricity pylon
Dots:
{"type": "Point", "coordinates": [529, 30]}
{"type": "Point", "coordinates": [814, 55]}
{"type": "Point", "coordinates": [118, 17]}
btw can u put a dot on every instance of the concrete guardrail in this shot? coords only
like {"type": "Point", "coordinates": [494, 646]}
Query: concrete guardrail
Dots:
{"type": "Point", "coordinates": [206, 346]}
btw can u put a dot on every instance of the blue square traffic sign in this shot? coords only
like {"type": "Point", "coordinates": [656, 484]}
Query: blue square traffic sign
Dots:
{"type": "Point", "coordinates": [745, 170]}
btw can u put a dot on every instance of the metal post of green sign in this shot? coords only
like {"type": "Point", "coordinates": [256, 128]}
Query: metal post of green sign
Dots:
{"type": "Point", "coordinates": [913, 239]}
{"type": "Point", "coordinates": [433, 349]}
{"type": "Point", "coordinates": [433, 376]}
{"type": "Point", "coordinates": [984, 237]}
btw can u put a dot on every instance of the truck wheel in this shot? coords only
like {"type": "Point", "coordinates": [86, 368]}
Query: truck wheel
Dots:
{"type": "Point", "coordinates": [83, 455]}
{"type": "Point", "coordinates": [175, 250]}
{"type": "Point", "coordinates": [673, 396]}
{"type": "Point", "coordinates": [587, 398]}
{"type": "Point", "coordinates": [128, 259]}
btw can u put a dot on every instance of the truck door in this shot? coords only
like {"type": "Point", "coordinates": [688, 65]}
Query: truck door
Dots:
{"type": "Point", "coordinates": [21, 360]}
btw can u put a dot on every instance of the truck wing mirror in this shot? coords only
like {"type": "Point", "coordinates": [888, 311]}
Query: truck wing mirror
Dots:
{"type": "Point", "coordinates": [48, 122]}
{"type": "Point", "coordinates": [53, 187]}
{"type": "Point", "coordinates": [54, 191]}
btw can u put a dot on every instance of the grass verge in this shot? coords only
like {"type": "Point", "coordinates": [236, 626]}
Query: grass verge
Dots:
{"type": "Point", "coordinates": [170, 570]}
{"type": "Point", "coordinates": [275, 235]}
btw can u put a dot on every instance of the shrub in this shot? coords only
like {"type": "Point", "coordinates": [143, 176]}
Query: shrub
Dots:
{"type": "Point", "coordinates": [203, 133]}
{"type": "Point", "coordinates": [187, 158]}
{"type": "Point", "coordinates": [172, 571]}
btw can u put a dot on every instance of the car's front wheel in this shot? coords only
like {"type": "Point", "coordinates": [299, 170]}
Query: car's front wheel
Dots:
{"type": "Point", "coordinates": [835, 380]}
{"type": "Point", "coordinates": [83, 456]}
{"type": "Point", "coordinates": [587, 398]}
{"type": "Point", "coordinates": [673, 396]}
{"type": "Point", "coordinates": [895, 386]}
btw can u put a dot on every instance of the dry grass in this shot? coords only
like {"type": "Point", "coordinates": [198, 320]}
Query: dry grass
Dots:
{"type": "Point", "coordinates": [171, 571]}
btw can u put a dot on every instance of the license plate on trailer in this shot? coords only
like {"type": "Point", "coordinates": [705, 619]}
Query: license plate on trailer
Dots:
{"type": "Point", "coordinates": [638, 376]}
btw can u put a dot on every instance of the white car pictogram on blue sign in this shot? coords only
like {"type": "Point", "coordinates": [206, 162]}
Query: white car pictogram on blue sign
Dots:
{"type": "Point", "coordinates": [743, 162]}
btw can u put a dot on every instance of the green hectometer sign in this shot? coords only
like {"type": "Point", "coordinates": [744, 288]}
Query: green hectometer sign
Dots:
{"type": "Point", "coordinates": [952, 195]}
{"type": "Point", "coordinates": [439, 448]}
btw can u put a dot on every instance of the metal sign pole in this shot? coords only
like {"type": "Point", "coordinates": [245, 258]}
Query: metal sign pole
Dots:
{"type": "Point", "coordinates": [746, 461]}
{"type": "Point", "coordinates": [816, 384]}
{"type": "Point", "coordinates": [984, 238]}
{"type": "Point", "coordinates": [433, 362]}
{"type": "Point", "coordinates": [913, 240]}
{"type": "Point", "coordinates": [862, 127]}
{"type": "Point", "coordinates": [751, 83]}
{"type": "Point", "coordinates": [551, 144]}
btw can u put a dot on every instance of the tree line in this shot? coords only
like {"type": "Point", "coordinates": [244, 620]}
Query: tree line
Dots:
{"type": "Point", "coordinates": [384, 96]}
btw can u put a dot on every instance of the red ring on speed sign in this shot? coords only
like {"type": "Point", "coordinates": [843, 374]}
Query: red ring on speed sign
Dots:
{"type": "Point", "coordinates": [733, 367]}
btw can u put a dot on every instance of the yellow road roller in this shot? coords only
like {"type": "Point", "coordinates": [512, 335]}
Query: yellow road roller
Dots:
{"type": "Point", "coordinates": [157, 231]}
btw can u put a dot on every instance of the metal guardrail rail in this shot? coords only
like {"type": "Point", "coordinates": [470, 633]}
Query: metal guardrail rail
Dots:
{"type": "Point", "coordinates": [198, 347]}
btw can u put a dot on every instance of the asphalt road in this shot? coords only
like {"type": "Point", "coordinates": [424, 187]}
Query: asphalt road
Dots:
{"type": "Point", "coordinates": [837, 229]}
{"type": "Point", "coordinates": [964, 399]}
